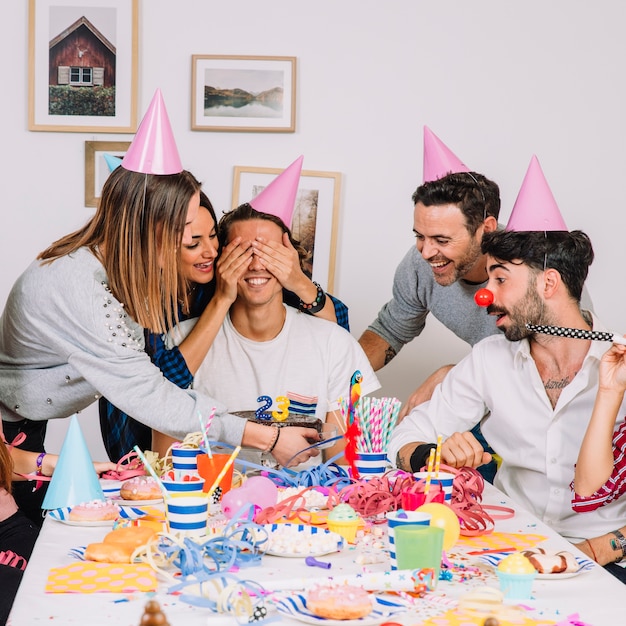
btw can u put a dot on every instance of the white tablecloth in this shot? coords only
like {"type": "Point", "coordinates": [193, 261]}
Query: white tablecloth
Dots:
{"type": "Point", "coordinates": [595, 595]}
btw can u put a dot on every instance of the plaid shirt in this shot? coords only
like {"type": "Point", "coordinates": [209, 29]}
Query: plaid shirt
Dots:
{"type": "Point", "coordinates": [120, 432]}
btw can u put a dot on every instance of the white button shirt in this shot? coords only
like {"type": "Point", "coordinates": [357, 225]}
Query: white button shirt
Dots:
{"type": "Point", "coordinates": [538, 444]}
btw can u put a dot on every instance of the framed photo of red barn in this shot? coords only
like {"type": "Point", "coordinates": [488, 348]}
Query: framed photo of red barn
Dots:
{"type": "Point", "coordinates": [82, 65]}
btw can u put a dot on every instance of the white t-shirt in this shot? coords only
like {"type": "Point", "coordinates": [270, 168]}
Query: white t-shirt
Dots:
{"type": "Point", "coordinates": [310, 357]}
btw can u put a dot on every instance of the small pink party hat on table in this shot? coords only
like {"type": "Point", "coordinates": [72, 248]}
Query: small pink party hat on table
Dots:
{"type": "Point", "coordinates": [535, 208]}
{"type": "Point", "coordinates": [439, 160]}
{"type": "Point", "coordinates": [153, 150]}
{"type": "Point", "coordinates": [279, 197]}
{"type": "Point", "coordinates": [74, 480]}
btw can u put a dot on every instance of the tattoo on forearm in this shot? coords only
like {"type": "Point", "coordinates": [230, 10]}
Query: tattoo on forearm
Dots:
{"type": "Point", "coordinates": [389, 354]}
{"type": "Point", "coordinates": [400, 463]}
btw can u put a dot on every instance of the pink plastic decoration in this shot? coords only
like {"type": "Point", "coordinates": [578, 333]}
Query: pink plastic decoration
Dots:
{"type": "Point", "coordinates": [279, 197]}
{"type": "Point", "coordinates": [233, 500]}
{"type": "Point", "coordinates": [535, 208]}
{"type": "Point", "coordinates": [439, 160]}
{"type": "Point", "coordinates": [153, 150]}
{"type": "Point", "coordinates": [262, 491]}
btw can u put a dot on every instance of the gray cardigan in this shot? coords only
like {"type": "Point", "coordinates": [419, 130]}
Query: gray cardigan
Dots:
{"type": "Point", "coordinates": [65, 341]}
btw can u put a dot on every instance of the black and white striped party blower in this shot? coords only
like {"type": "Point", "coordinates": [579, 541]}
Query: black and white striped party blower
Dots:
{"type": "Point", "coordinates": [577, 333]}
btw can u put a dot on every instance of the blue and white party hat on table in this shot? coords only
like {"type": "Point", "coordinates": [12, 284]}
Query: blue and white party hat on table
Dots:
{"type": "Point", "coordinates": [74, 480]}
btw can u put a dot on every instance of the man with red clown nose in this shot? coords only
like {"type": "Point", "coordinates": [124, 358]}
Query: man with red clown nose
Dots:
{"type": "Point", "coordinates": [531, 391]}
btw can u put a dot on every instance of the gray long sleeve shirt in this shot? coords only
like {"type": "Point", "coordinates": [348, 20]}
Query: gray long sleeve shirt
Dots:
{"type": "Point", "coordinates": [416, 293]}
{"type": "Point", "coordinates": [65, 341]}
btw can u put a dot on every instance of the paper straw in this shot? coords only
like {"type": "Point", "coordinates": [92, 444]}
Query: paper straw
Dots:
{"type": "Point", "coordinates": [431, 458]}
{"type": "Point", "coordinates": [205, 437]}
{"type": "Point", "coordinates": [438, 456]}
{"type": "Point", "coordinates": [226, 467]}
{"type": "Point", "coordinates": [151, 471]}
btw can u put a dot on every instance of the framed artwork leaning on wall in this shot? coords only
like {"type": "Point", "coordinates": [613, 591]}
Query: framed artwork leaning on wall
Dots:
{"type": "Point", "coordinates": [97, 169]}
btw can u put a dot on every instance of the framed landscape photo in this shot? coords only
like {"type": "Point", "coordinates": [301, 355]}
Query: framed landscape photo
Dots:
{"type": "Point", "coordinates": [82, 65]}
{"type": "Point", "coordinates": [315, 216]}
{"type": "Point", "coordinates": [243, 93]}
{"type": "Point", "coordinates": [97, 169]}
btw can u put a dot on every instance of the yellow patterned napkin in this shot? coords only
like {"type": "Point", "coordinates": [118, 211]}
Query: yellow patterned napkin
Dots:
{"type": "Point", "coordinates": [88, 577]}
{"type": "Point", "coordinates": [459, 617]}
{"type": "Point", "coordinates": [501, 541]}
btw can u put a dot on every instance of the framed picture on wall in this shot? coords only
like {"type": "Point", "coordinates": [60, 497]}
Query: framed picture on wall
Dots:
{"type": "Point", "coordinates": [97, 169]}
{"type": "Point", "coordinates": [243, 93]}
{"type": "Point", "coordinates": [82, 65]}
{"type": "Point", "coordinates": [315, 217]}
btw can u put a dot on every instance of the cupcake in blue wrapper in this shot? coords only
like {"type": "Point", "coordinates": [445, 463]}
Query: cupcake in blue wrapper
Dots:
{"type": "Point", "coordinates": [516, 575]}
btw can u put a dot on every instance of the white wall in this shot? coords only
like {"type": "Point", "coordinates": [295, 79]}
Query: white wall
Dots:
{"type": "Point", "coordinates": [497, 81]}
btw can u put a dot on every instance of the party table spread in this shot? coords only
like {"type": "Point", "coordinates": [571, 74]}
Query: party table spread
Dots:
{"type": "Point", "coordinates": [593, 595]}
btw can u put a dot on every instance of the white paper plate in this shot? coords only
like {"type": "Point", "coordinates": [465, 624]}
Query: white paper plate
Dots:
{"type": "Point", "coordinates": [131, 503]}
{"type": "Point", "coordinates": [302, 531]}
{"type": "Point", "coordinates": [562, 575]}
{"type": "Point", "coordinates": [583, 566]}
{"type": "Point", "coordinates": [126, 512]}
{"type": "Point", "coordinates": [295, 607]}
{"type": "Point", "coordinates": [69, 522]}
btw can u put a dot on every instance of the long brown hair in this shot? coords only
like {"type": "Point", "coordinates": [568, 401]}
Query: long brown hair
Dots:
{"type": "Point", "coordinates": [6, 467]}
{"type": "Point", "coordinates": [136, 233]}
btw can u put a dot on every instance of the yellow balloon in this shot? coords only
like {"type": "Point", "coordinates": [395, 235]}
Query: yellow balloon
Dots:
{"type": "Point", "coordinates": [444, 517]}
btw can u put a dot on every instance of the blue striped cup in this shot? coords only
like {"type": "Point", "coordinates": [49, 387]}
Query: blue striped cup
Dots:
{"type": "Point", "coordinates": [402, 518]}
{"type": "Point", "coordinates": [188, 515]}
{"type": "Point", "coordinates": [184, 461]}
{"type": "Point", "coordinates": [179, 488]}
{"type": "Point", "coordinates": [443, 478]}
{"type": "Point", "coordinates": [371, 464]}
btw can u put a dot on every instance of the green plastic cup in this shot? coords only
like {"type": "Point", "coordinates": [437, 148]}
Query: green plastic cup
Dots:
{"type": "Point", "coordinates": [419, 547]}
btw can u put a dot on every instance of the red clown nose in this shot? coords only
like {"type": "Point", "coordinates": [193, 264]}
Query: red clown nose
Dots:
{"type": "Point", "coordinates": [483, 297]}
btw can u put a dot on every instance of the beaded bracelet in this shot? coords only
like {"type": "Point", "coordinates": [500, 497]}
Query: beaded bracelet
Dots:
{"type": "Point", "coordinates": [39, 471]}
{"type": "Point", "coordinates": [317, 305]}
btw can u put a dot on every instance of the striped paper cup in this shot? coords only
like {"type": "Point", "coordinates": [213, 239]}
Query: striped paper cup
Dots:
{"type": "Point", "coordinates": [179, 488]}
{"type": "Point", "coordinates": [397, 518]}
{"type": "Point", "coordinates": [443, 478]}
{"type": "Point", "coordinates": [187, 515]}
{"type": "Point", "coordinates": [184, 461]}
{"type": "Point", "coordinates": [371, 464]}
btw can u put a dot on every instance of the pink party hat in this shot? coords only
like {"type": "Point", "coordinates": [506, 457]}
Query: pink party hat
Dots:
{"type": "Point", "coordinates": [279, 197]}
{"type": "Point", "coordinates": [535, 208]}
{"type": "Point", "coordinates": [74, 480]}
{"type": "Point", "coordinates": [153, 150]}
{"type": "Point", "coordinates": [439, 160]}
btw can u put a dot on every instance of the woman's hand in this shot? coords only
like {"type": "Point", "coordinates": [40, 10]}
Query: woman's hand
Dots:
{"type": "Point", "coordinates": [230, 267]}
{"type": "Point", "coordinates": [291, 441]}
{"type": "Point", "coordinates": [613, 369]}
{"type": "Point", "coordinates": [102, 467]}
{"type": "Point", "coordinates": [283, 262]}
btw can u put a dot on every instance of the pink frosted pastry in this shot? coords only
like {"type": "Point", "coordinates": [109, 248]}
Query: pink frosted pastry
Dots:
{"type": "Point", "coordinates": [94, 511]}
{"type": "Point", "coordinates": [339, 601]}
{"type": "Point", "coordinates": [140, 488]}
